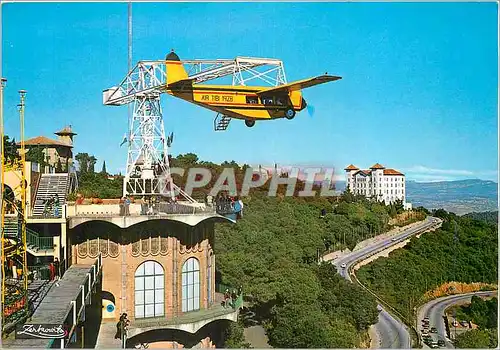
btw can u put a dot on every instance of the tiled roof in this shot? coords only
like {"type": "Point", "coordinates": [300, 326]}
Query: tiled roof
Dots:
{"type": "Point", "coordinates": [377, 166]}
{"type": "Point", "coordinates": [65, 131]}
{"type": "Point", "coordinates": [43, 141]}
{"type": "Point", "coordinates": [364, 172]}
{"type": "Point", "coordinates": [392, 172]}
{"type": "Point", "coordinates": [351, 167]}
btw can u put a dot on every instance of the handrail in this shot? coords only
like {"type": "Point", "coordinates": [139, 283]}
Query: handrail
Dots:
{"type": "Point", "coordinates": [33, 238]}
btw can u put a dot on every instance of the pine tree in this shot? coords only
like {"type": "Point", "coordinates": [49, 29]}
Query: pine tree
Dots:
{"type": "Point", "coordinates": [103, 171]}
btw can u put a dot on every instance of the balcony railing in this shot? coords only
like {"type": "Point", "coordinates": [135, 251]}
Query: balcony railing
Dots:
{"type": "Point", "coordinates": [136, 209]}
{"type": "Point", "coordinates": [34, 240]}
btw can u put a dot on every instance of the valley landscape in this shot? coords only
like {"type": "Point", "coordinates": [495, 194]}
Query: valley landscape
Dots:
{"type": "Point", "coordinates": [459, 197]}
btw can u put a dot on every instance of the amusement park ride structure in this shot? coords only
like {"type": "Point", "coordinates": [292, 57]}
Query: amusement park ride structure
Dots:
{"type": "Point", "coordinates": [14, 292]}
{"type": "Point", "coordinates": [148, 170]}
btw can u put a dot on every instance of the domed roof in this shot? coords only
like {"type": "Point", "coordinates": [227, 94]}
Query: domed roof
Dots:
{"type": "Point", "coordinates": [172, 56]}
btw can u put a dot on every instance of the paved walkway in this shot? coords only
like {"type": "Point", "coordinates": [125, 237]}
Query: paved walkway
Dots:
{"type": "Point", "coordinates": [106, 338]}
{"type": "Point", "coordinates": [55, 306]}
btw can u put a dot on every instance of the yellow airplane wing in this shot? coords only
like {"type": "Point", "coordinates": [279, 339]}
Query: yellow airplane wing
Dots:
{"type": "Point", "coordinates": [300, 84]}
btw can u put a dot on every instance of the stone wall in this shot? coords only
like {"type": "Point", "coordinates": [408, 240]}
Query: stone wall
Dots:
{"type": "Point", "coordinates": [124, 250]}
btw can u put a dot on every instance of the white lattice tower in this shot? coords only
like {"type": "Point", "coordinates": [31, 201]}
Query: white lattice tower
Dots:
{"type": "Point", "coordinates": [148, 170]}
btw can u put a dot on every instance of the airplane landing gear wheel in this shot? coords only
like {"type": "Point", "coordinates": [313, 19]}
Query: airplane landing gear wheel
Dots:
{"type": "Point", "coordinates": [249, 123]}
{"type": "Point", "coordinates": [290, 113]}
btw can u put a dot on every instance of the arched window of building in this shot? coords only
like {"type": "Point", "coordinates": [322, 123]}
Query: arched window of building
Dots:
{"type": "Point", "coordinates": [209, 278]}
{"type": "Point", "coordinates": [190, 285]}
{"type": "Point", "coordinates": [149, 290]}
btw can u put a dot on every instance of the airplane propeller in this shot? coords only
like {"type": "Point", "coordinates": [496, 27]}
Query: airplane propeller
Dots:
{"type": "Point", "coordinates": [310, 110]}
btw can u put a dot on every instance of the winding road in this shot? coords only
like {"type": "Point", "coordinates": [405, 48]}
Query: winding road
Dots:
{"type": "Point", "coordinates": [391, 331]}
{"type": "Point", "coordinates": [434, 309]}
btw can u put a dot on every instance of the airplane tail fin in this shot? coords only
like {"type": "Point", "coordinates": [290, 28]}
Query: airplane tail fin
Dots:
{"type": "Point", "coordinates": [175, 69]}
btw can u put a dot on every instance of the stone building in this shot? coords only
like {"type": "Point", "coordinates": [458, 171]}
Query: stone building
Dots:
{"type": "Point", "coordinates": [54, 150]}
{"type": "Point", "coordinates": [378, 182]}
{"type": "Point", "coordinates": [160, 272]}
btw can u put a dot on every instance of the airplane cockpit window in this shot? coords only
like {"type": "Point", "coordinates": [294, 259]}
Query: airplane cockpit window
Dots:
{"type": "Point", "coordinates": [252, 99]}
{"type": "Point", "coordinates": [279, 101]}
{"type": "Point", "coordinates": [267, 100]}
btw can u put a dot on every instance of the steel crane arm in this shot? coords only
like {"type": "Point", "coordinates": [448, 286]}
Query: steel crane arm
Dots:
{"type": "Point", "coordinates": [148, 78]}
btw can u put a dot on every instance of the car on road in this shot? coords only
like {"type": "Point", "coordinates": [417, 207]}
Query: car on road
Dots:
{"type": "Point", "coordinates": [434, 345]}
{"type": "Point", "coordinates": [427, 339]}
{"type": "Point", "coordinates": [464, 323]}
{"type": "Point", "coordinates": [344, 265]}
{"type": "Point", "coordinates": [394, 239]}
{"type": "Point", "coordinates": [441, 342]}
{"type": "Point", "coordinates": [433, 330]}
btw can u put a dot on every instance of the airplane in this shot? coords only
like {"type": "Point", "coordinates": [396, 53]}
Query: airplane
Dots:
{"type": "Point", "coordinates": [249, 103]}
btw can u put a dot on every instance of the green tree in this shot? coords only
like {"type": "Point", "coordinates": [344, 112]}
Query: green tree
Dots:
{"type": "Point", "coordinates": [86, 162]}
{"type": "Point", "coordinates": [301, 326]}
{"type": "Point", "coordinates": [36, 154]}
{"type": "Point", "coordinates": [59, 168]}
{"type": "Point", "coordinates": [83, 162]}
{"type": "Point", "coordinates": [477, 339]}
{"type": "Point", "coordinates": [10, 149]}
{"type": "Point", "coordinates": [234, 337]}
{"type": "Point", "coordinates": [91, 164]}
{"type": "Point", "coordinates": [103, 171]}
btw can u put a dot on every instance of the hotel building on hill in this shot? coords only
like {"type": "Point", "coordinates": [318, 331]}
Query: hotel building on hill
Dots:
{"type": "Point", "coordinates": [387, 185]}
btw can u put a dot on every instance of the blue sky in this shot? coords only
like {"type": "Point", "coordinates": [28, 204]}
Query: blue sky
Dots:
{"type": "Point", "coordinates": [419, 87]}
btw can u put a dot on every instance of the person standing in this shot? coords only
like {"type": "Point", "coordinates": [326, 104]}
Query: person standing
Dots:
{"type": "Point", "coordinates": [227, 295]}
{"type": "Point", "coordinates": [56, 206]}
{"type": "Point", "coordinates": [127, 206]}
{"type": "Point", "coordinates": [52, 271]}
{"type": "Point", "coordinates": [236, 207]}
{"type": "Point", "coordinates": [118, 334]}
{"type": "Point", "coordinates": [57, 271]}
{"type": "Point", "coordinates": [46, 207]}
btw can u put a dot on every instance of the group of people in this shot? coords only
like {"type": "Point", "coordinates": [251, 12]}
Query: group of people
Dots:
{"type": "Point", "coordinates": [125, 206]}
{"type": "Point", "coordinates": [149, 205]}
{"type": "Point", "coordinates": [51, 206]}
{"type": "Point", "coordinates": [230, 297]}
{"type": "Point", "coordinates": [229, 205]}
{"type": "Point", "coordinates": [122, 326]}
{"type": "Point", "coordinates": [54, 270]}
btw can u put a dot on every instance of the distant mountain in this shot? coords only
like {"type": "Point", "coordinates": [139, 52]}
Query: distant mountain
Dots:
{"type": "Point", "coordinates": [460, 197]}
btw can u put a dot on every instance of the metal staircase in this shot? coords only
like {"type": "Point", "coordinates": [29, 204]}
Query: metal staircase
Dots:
{"type": "Point", "coordinates": [10, 227]}
{"type": "Point", "coordinates": [49, 186]}
{"type": "Point", "coordinates": [221, 122]}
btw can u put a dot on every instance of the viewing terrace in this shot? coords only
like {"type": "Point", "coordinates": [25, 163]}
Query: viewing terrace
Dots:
{"type": "Point", "coordinates": [185, 212]}
{"type": "Point", "coordinates": [190, 322]}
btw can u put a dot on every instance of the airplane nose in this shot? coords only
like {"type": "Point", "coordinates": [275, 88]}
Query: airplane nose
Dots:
{"type": "Point", "coordinates": [304, 103]}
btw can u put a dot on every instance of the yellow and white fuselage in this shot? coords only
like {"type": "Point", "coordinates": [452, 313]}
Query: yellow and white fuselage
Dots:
{"type": "Point", "coordinates": [242, 102]}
